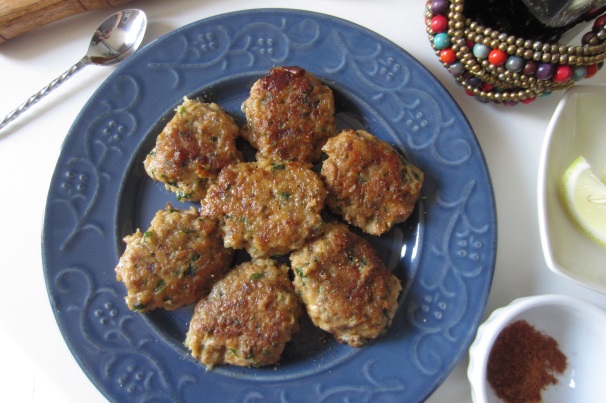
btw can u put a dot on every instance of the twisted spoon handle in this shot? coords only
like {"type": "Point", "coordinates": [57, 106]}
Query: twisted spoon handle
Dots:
{"type": "Point", "coordinates": [43, 92]}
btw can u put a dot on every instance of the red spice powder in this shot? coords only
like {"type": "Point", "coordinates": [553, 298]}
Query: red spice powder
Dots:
{"type": "Point", "coordinates": [523, 362]}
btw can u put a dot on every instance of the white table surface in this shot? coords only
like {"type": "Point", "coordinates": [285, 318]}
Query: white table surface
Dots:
{"type": "Point", "coordinates": [37, 365]}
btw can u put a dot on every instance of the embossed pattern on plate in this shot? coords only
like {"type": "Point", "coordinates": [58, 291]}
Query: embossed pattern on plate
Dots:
{"type": "Point", "coordinates": [445, 253]}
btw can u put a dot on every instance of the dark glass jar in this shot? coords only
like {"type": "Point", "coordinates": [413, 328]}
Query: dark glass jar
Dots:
{"type": "Point", "coordinates": [542, 20]}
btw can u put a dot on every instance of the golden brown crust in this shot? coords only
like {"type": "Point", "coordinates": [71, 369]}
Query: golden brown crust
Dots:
{"type": "Point", "coordinates": [368, 182]}
{"type": "Point", "coordinates": [193, 148]}
{"type": "Point", "coordinates": [344, 285]}
{"type": "Point", "coordinates": [247, 318]}
{"type": "Point", "coordinates": [289, 115]}
{"type": "Point", "coordinates": [174, 262]}
{"type": "Point", "coordinates": [266, 208]}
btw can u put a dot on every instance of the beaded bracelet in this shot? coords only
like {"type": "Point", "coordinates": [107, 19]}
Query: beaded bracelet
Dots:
{"type": "Point", "coordinates": [495, 66]}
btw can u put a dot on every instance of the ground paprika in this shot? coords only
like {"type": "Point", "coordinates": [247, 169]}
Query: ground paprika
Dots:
{"type": "Point", "coordinates": [523, 362]}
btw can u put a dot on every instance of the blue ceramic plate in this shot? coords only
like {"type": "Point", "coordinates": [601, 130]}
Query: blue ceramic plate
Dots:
{"type": "Point", "coordinates": [444, 254]}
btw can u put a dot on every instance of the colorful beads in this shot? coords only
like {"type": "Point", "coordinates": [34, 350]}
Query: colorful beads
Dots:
{"type": "Point", "coordinates": [448, 56]}
{"type": "Point", "coordinates": [438, 24]}
{"type": "Point", "coordinates": [441, 41]}
{"type": "Point", "coordinates": [563, 73]}
{"type": "Point", "coordinates": [497, 57]}
{"type": "Point", "coordinates": [528, 100]}
{"type": "Point", "coordinates": [480, 51]}
{"type": "Point", "coordinates": [494, 66]}
{"type": "Point", "coordinates": [487, 87]}
{"type": "Point", "coordinates": [439, 6]}
{"type": "Point", "coordinates": [578, 73]}
{"type": "Point", "coordinates": [589, 38]}
{"type": "Point", "coordinates": [599, 23]}
{"type": "Point", "coordinates": [544, 71]}
{"type": "Point", "coordinates": [530, 68]}
{"type": "Point", "coordinates": [457, 68]}
{"type": "Point", "coordinates": [474, 82]}
{"type": "Point", "coordinates": [514, 64]}
{"type": "Point", "coordinates": [592, 69]}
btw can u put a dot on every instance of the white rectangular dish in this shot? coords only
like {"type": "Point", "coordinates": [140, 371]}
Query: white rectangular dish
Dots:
{"type": "Point", "coordinates": [578, 127]}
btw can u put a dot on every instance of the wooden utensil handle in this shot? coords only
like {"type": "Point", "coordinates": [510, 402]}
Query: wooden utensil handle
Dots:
{"type": "Point", "coordinates": [20, 16]}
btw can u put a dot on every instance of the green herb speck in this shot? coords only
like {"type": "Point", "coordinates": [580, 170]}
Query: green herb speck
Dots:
{"type": "Point", "coordinates": [182, 195]}
{"type": "Point", "coordinates": [160, 286]}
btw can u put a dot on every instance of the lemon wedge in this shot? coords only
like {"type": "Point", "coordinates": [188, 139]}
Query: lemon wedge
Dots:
{"type": "Point", "coordinates": [584, 197]}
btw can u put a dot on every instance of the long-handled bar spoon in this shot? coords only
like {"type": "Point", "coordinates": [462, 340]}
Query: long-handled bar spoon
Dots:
{"type": "Point", "coordinates": [117, 38]}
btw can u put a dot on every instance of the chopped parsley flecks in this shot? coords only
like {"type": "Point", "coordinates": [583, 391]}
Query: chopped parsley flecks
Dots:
{"type": "Point", "coordinates": [182, 195]}
{"type": "Point", "coordinates": [256, 276]}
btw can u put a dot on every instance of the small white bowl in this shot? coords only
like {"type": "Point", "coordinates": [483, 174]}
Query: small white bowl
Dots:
{"type": "Point", "coordinates": [579, 328]}
{"type": "Point", "coordinates": [578, 127]}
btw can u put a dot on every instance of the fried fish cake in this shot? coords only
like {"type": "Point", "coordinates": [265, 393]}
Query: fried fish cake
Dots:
{"type": "Point", "coordinates": [368, 182]}
{"type": "Point", "coordinates": [192, 148]}
{"type": "Point", "coordinates": [289, 115]}
{"type": "Point", "coordinates": [345, 287]}
{"type": "Point", "coordinates": [174, 262]}
{"type": "Point", "coordinates": [247, 318]}
{"type": "Point", "coordinates": [266, 208]}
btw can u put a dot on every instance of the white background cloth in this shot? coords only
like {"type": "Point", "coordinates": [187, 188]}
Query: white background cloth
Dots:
{"type": "Point", "coordinates": [36, 363]}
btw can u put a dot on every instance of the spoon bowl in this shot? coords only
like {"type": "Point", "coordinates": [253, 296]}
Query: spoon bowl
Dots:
{"type": "Point", "coordinates": [117, 38]}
